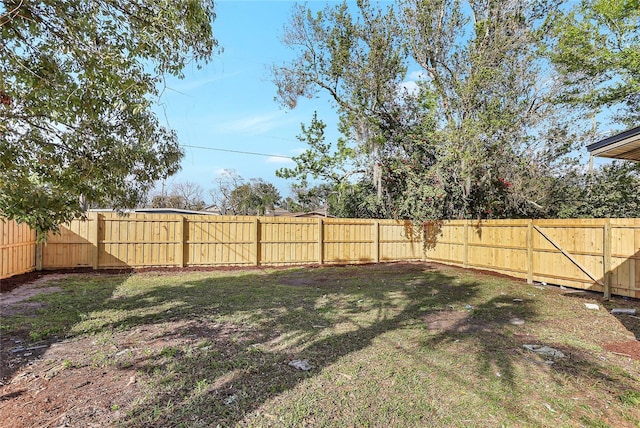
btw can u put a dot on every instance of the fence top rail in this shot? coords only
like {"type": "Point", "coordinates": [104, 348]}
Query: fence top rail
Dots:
{"type": "Point", "coordinates": [576, 222]}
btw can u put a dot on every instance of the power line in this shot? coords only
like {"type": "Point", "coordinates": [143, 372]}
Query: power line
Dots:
{"type": "Point", "coordinates": [236, 151]}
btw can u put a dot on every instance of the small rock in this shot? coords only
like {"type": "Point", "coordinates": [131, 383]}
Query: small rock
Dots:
{"type": "Point", "coordinates": [623, 311]}
{"type": "Point", "coordinates": [301, 365]}
{"type": "Point", "coordinates": [33, 348]}
{"type": "Point", "coordinates": [592, 306]}
{"type": "Point", "coordinates": [545, 351]}
{"type": "Point", "coordinates": [516, 321]}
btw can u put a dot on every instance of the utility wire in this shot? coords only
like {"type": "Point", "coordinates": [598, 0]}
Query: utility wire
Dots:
{"type": "Point", "coordinates": [236, 151]}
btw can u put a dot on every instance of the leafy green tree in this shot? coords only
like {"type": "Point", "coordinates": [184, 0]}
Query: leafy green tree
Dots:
{"type": "Point", "coordinates": [324, 161]}
{"type": "Point", "coordinates": [476, 134]}
{"type": "Point", "coordinates": [596, 48]}
{"type": "Point", "coordinates": [610, 191]}
{"type": "Point", "coordinates": [267, 197]}
{"type": "Point", "coordinates": [359, 62]}
{"type": "Point", "coordinates": [77, 83]}
{"type": "Point", "coordinates": [252, 198]}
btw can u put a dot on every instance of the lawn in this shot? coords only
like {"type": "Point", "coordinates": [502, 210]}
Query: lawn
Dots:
{"type": "Point", "coordinates": [405, 345]}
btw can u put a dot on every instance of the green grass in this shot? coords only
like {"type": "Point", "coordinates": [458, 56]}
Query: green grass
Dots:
{"type": "Point", "coordinates": [391, 345]}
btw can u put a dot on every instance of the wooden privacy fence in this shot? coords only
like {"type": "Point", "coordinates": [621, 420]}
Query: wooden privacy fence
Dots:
{"type": "Point", "coordinates": [17, 248]}
{"type": "Point", "coordinates": [596, 254]}
{"type": "Point", "coordinates": [150, 240]}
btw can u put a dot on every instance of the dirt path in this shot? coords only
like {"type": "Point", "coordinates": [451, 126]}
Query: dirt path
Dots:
{"type": "Point", "coordinates": [13, 302]}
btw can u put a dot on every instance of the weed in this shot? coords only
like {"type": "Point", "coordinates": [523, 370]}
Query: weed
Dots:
{"type": "Point", "coordinates": [630, 398]}
{"type": "Point", "coordinates": [593, 423]}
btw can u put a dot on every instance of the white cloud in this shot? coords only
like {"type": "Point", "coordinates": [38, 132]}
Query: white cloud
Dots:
{"type": "Point", "coordinates": [190, 85]}
{"type": "Point", "coordinates": [417, 75]}
{"type": "Point", "coordinates": [254, 125]}
{"type": "Point", "coordinates": [222, 172]}
{"type": "Point", "coordinates": [410, 86]}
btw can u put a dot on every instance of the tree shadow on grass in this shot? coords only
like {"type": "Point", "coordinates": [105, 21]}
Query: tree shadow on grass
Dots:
{"type": "Point", "coordinates": [492, 329]}
{"type": "Point", "coordinates": [243, 336]}
{"type": "Point", "coordinates": [213, 349]}
{"type": "Point", "coordinates": [244, 329]}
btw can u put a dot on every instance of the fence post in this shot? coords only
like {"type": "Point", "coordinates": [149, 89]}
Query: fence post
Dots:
{"type": "Point", "coordinates": [530, 252]}
{"type": "Point", "coordinates": [94, 238]}
{"type": "Point", "coordinates": [320, 241]}
{"type": "Point", "coordinates": [376, 241]}
{"type": "Point", "coordinates": [465, 254]}
{"type": "Point", "coordinates": [425, 231]}
{"type": "Point", "coordinates": [181, 240]}
{"type": "Point", "coordinates": [606, 258]}
{"type": "Point", "coordinates": [256, 241]}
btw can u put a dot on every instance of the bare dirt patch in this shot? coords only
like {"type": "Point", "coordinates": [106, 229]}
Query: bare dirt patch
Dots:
{"type": "Point", "coordinates": [86, 382]}
{"type": "Point", "coordinates": [9, 284]}
{"type": "Point", "coordinates": [629, 349]}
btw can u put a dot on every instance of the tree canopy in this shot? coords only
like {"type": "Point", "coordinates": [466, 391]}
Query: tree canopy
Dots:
{"type": "Point", "coordinates": [444, 103]}
{"type": "Point", "coordinates": [77, 83]}
{"type": "Point", "coordinates": [184, 195]}
{"type": "Point", "coordinates": [235, 196]}
{"type": "Point", "coordinates": [595, 47]}
{"type": "Point", "coordinates": [453, 108]}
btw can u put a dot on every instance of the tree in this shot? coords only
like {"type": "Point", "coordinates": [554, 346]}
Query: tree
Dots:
{"type": "Point", "coordinates": [266, 196]}
{"type": "Point", "coordinates": [254, 198]}
{"type": "Point", "coordinates": [321, 161]}
{"type": "Point", "coordinates": [360, 64]}
{"type": "Point", "coordinates": [595, 47]}
{"type": "Point", "coordinates": [77, 83]}
{"type": "Point", "coordinates": [610, 191]}
{"type": "Point", "coordinates": [474, 136]}
{"type": "Point", "coordinates": [226, 182]}
{"type": "Point", "coordinates": [235, 196]}
{"type": "Point", "coordinates": [167, 201]}
{"type": "Point", "coordinates": [182, 195]}
{"type": "Point", "coordinates": [190, 193]}
{"type": "Point", "coordinates": [305, 199]}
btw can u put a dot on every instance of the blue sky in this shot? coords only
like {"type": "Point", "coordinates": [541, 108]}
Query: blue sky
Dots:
{"type": "Point", "coordinates": [229, 104]}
